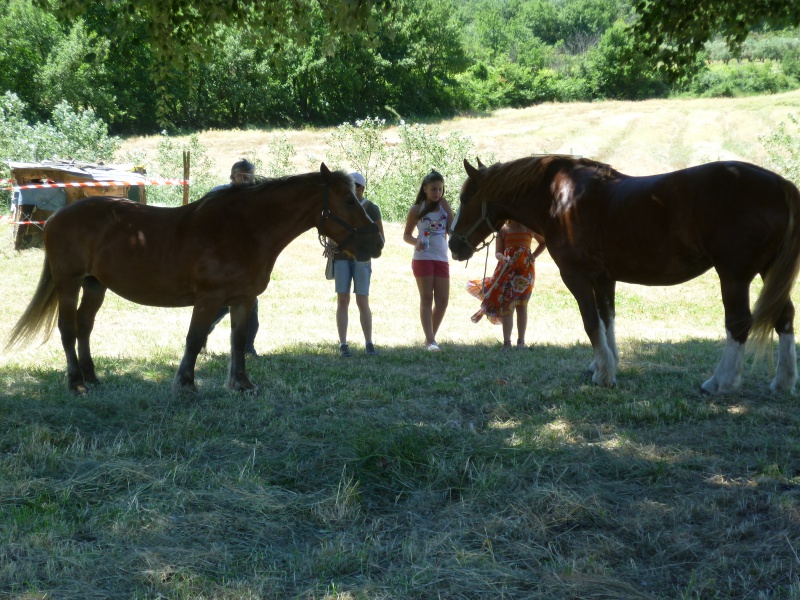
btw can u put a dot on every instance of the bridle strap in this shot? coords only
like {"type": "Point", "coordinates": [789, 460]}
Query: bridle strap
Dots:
{"type": "Point", "coordinates": [329, 246]}
{"type": "Point", "coordinates": [464, 237]}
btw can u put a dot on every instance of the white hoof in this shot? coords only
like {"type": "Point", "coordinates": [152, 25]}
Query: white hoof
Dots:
{"type": "Point", "coordinates": [603, 379]}
{"type": "Point", "coordinates": [781, 387]}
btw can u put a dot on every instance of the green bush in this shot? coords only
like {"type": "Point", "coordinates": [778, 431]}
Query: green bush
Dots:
{"type": "Point", "coordinates": [394, 170]}
{"type": "Point", "coordinates": [169, 164]}
{"type": "Point", "coordinates": [279, 162]}
{"type": "Point", "coordinates": [790, 63]}
{"type": "Point", "coordinates": [69, 134]}
{"type": "Point", "coordinates": [420, 150]}
{"type": "Point", "coordinates": [783, 148]}
{"type": "Point", "coordinates": [741, 79]}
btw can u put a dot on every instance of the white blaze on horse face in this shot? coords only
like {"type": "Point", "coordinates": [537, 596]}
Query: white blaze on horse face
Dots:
{"type": "Point", "coordinates": [728, 376]}
{"type": "Point", "coordinates": [455, 220]}
{"type": "Point", "coordinates": [786, 373]}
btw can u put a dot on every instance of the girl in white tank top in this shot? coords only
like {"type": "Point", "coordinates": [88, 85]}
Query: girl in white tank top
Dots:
{"type": "Point", "coordinates": [431, 217]}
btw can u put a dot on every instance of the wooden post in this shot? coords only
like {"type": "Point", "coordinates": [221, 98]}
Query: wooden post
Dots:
{"type": "Point", "coordinates": [186, 163]}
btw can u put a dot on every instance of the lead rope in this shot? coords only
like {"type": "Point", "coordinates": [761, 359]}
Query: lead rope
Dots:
{"type": "Point", "coordinates": [485, 267]}
{"type": "Point", "coordinates": [328, 246]}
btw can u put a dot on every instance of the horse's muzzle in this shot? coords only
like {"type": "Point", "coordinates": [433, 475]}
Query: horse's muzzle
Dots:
{"type": "Point", "coordinates": [368, 242]}
{"type": "Point", "coordinates": [459, 248]}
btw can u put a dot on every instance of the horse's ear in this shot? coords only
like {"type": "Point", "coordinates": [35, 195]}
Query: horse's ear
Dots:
{"type": "Point", "coordinates": [324, 170]}
{"type": "Point", "coordinates": [480, 164]}
{"type": "Point", "coordinates": [472, 172]}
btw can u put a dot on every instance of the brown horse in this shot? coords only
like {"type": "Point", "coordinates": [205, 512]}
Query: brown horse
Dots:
{"type": "Point", "coordinates": [602, 227]}
{"type": "Point", "coordinates": [218, 251]}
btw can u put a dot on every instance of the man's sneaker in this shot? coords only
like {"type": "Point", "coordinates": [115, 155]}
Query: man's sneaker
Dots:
{"type": "Point", "coordinates": [371, 349]}
{"type": "Point", "coordinates": [344, 351]}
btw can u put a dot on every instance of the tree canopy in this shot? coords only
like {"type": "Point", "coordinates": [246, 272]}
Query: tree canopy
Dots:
{"type": "Point", "coordinates": [675, 32]}
{"type": "Point", "coordinates": [148, 65]}
{"type": "Point", "coordinates": [179, 26]}
{"type": "Point", "coordinates": [180, 30]}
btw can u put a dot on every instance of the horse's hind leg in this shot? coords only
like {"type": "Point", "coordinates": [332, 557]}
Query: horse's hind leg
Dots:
{"type": "Point", "coordinates": [93, 295]}
{"type": "Point", "coordinates": [237, 374]}
{"type": "Point", "coordinates": [786, 373]}
{"type": "Point", "coordinates": [604, 292]}
{"type": "Point", "coordinates": [604, 365]}
{"type": "Point", "coordinates": [738, 320]}
{"type": "Point", "coordinates": [68, 328]}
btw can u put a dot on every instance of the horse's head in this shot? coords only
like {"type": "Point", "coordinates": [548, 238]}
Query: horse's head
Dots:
{"type": "Point", "coordinates": [475, 219]}
{"type": "Point", "coordinates": [344, 219]}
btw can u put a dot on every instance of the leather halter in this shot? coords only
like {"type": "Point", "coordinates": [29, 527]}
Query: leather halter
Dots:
{"type": "Point", "coordinates": [464, 237]}
{"type": "Point", "coordinates": [367, 229]}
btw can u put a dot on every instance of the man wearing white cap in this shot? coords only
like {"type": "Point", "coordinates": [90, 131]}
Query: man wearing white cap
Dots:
{"type": "Point", "coordinates": [347, 269]}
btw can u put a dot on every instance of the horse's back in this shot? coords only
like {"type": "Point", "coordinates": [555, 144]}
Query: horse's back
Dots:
{"type": "Point", "coordinates": [682, 223]}
{"type": "Point", "coordinates": [129, 247]}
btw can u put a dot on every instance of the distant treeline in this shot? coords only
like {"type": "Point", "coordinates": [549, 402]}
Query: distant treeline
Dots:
{"type": "Point", "coordinates": [439, 58]}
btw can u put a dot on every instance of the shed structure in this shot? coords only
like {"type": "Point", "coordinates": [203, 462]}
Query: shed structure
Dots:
{"type": "Point", "coordinates": [42, 188]}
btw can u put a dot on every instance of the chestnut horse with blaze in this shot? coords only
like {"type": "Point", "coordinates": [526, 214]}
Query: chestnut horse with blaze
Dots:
{"type": "Point", "coordinates": [602, 227]}
{"type": "Point", "coordinates": [218, 251]}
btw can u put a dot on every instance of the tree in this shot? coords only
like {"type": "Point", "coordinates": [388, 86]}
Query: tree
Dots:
{"type": "Point", "coordinates": [75, 72]}
{"type": "Point", "coordinates": [180, 31]}
{"type": "Point", "coordinates": [30, 35]}
{"type": "Point", "coordinates": [674, 32]}
{"type": "Point", "coordinates": [614, 71]}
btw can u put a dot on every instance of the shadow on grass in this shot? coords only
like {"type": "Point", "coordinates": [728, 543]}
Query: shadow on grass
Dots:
{"type": "Point", "coordinates": [409, 474]}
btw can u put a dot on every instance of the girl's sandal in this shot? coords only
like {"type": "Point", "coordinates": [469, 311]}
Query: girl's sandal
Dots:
{"type": "Point", "coordinates": [505, 347]}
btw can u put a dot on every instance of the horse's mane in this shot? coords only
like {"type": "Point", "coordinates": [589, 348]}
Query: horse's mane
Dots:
{"type": "Point", "coordinates": [264, 185]}
{"type": "Point", "coordinates": [513, 180]}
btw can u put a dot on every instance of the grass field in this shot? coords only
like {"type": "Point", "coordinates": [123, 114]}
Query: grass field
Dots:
{"type": "Point", "coordinates": [469, 473]}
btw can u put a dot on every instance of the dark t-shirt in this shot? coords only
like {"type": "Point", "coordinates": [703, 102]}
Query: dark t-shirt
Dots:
{"type": "Point", "coordinates": [374, 213]}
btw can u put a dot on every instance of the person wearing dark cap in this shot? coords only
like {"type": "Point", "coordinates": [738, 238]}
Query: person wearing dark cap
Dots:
{"type": "Point", "coordinates": [346, 270]}
{"type": "Point", "coordinates": [242, 172]}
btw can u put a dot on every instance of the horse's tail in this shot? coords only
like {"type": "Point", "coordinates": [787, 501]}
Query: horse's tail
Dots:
{"type": "Point", "coordinates": [779, 279]}
{"type": "Point", "coordinates": [40, 314]}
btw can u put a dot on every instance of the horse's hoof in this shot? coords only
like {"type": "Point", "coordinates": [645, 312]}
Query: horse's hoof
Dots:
{"type": "Point", "coordinates": [184, 389]}
{"type": "Point", "coordinates": [712, 387]}
{"type": "Point", "coordinates": [78, 390]}
{"type": "Point", "coordinates": [781, 389]}
{"type": "Point", "coordinates": [603, 381]}
{"type": "Point", "coordinates": [246, 389]}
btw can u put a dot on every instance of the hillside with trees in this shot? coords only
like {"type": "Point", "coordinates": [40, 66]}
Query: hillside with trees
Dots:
{"type": "Point", "coordinates": [405, 59]}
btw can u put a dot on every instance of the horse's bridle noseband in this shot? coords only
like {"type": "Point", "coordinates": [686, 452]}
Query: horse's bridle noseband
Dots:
{"type": "Point", "coordinates": [464, 237]}
{"type": "Point", "coordinates": [368, 229]}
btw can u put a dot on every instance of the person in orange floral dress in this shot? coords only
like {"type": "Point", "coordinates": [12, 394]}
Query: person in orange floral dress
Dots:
{"type": "Point", "coordinates": [508, 290]}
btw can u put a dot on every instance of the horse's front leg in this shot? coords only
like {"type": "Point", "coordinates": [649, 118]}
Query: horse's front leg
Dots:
{"type": "Point", "coordinates": [240, 324]}
{"type": "Point", "coordinates": [604, 365]}
{"type": "Point", "coordinates": [93, 294]}
{"type": "Point", "coordinates": [202, 316]}
{"type": "Point", "coordinates": [738, 320]}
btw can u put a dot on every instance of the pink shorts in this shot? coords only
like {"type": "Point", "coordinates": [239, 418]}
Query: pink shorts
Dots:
{"type": "Point", "coordinates": [430, 268]}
